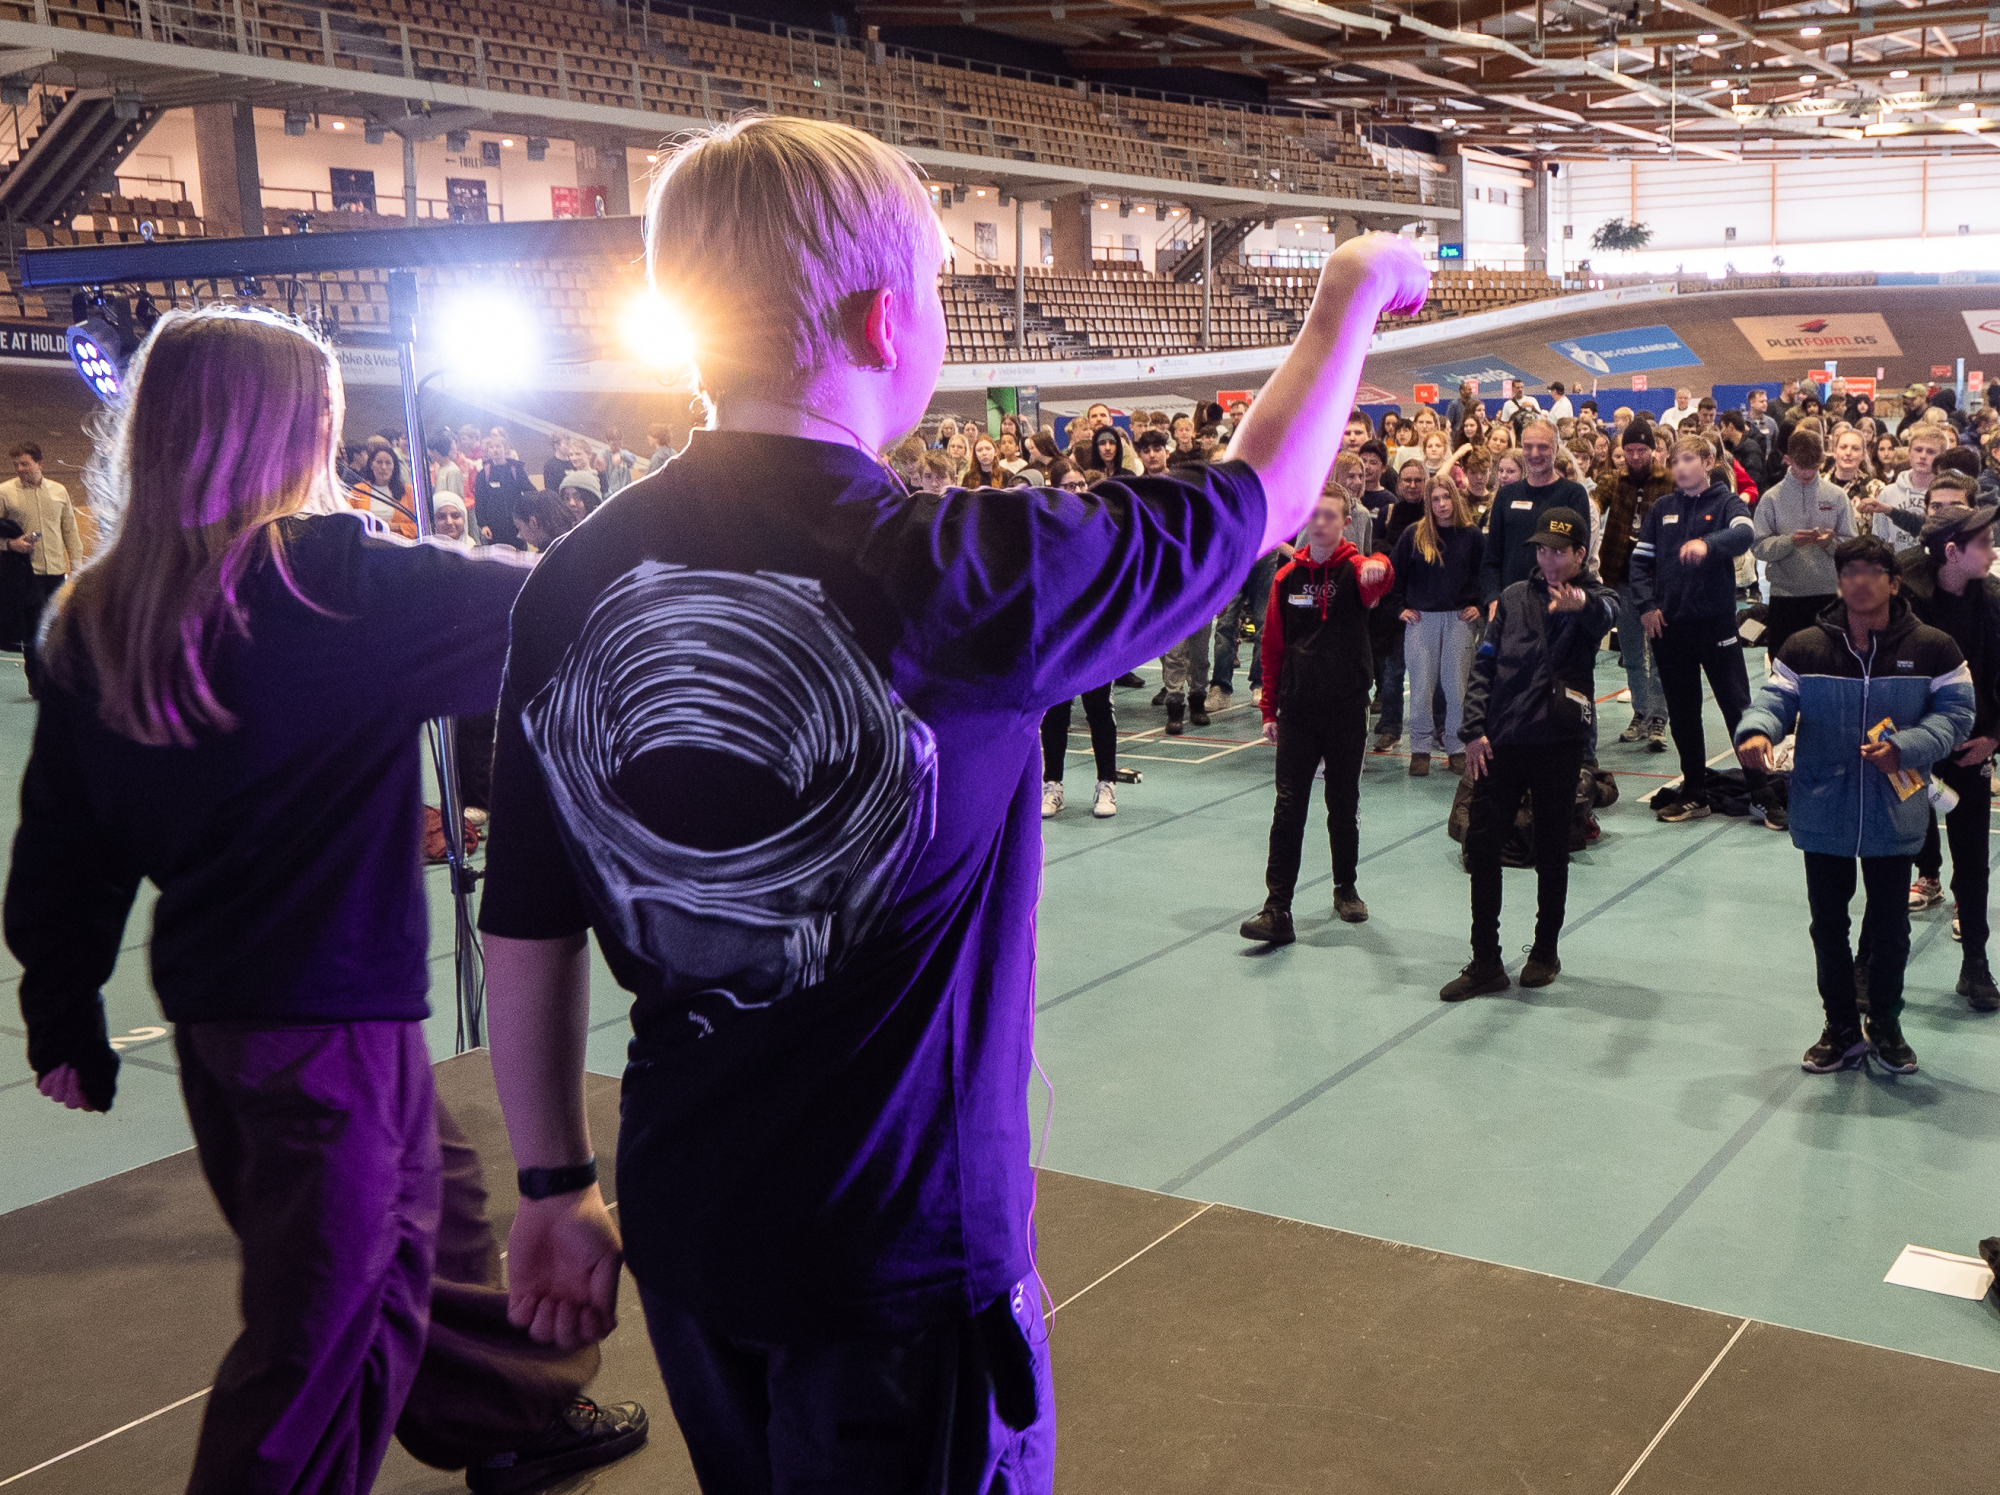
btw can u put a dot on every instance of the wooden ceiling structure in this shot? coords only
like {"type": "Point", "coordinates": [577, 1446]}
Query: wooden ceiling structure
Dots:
{"type": "Point", "coordinates": [1729, 79]}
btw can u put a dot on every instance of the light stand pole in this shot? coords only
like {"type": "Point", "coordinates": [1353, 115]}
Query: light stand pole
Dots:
{"type": "Point", "coordinates": [471, 987]}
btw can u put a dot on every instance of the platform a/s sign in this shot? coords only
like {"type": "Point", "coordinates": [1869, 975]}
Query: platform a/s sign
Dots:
{"type": "Point", "coordinates": [1844, 335]}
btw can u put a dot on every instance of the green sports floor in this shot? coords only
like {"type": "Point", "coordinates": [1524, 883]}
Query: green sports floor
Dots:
{"type": "Point", "coordinates": [1641, 1125]}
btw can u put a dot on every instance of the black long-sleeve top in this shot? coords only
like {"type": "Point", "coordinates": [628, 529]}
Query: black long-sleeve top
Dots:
{"type": "Point", "coordinates": [1445, 585]}
{"type": "Point", "coordinates": [287, 852]}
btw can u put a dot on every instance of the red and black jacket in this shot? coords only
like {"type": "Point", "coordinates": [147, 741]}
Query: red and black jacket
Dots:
{"type": "Point", "coordinates": [1315, 642]}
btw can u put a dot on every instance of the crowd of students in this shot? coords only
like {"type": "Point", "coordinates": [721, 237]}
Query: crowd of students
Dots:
{"type": "Point", "coordinates": [1464, 570]}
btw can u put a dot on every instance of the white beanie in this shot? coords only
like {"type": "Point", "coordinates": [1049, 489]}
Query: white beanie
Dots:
{"type": "Point", "coordinates": [582, 477]}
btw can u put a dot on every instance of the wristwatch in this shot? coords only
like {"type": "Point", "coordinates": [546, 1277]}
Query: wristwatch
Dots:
{"type": "Point", "coordinates": [546, 1183]}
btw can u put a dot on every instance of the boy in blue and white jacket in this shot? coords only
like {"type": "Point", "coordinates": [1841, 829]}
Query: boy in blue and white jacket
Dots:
{"type": "Point", "coordinates": [1865, 661]}
{"type": "Point", "coordinates": [1683, 580]}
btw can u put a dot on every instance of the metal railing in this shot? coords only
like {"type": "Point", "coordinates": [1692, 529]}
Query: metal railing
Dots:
{"type": "Point", "coordinates": [895, 98]}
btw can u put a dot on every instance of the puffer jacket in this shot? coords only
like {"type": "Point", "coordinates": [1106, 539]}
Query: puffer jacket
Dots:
{"type": "Point", "coordinates": [1525, 651]}
{"type": "Point", "coordinates": [1832, 695]}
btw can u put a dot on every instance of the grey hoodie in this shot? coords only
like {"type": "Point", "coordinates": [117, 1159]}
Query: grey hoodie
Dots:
{"type": "Point", "coordinates": [1788, 505]}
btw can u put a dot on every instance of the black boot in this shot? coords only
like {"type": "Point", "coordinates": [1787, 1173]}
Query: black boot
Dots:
{"type": "Point", "coordinates": [1271, 927]}
{"type": "Point", "coordinates": [1197, 708]}
{"type": "Point", "coordinates": [1176, 711]}
{"type": "Point", "coordinates": [583, 1436]}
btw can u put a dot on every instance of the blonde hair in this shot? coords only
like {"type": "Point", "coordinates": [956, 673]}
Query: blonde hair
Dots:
{"type": "Point", "coordinates": [762, 232]}
{"type": "Point", "coordinates": [227, 426]}
{"type": "Point", "coordinates": [1429, 546]}
{"type": "Point", "coordinates": [1692, 446]}
{"type": "Point", "coordinates": [1927, 432]}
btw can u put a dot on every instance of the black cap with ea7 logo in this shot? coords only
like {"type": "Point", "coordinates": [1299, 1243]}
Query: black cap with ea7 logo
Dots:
{"type": "Point", "coordinates": [1563, 527]}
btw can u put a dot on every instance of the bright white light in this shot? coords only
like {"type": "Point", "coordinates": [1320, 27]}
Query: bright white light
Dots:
{"type": "Point", "coordinates": [1808, 31]}
{"type": "Point", "coordinates": [651, 159]}
{"type": "Point", "coordinates": [340, 124]}
{"type": "Point", "coordinates": [506, 145]}
{"type": "Point", "coordinates": [1707, 39]}
{"type": "Point", "coordinates": [1901, 72]}
{"type": "Point", "coordinates": [980, 193]}
{"type": "Point", "coordinates": [487, 336]}
{"type": "Point", "coordinates": [1968, 104]}
{"type": "Point", "coordinates": [1448, 122]}
{"type": "Point", "coordinates": [656, 335]}
{"type": "Point", "coordinates": [1809, 79]}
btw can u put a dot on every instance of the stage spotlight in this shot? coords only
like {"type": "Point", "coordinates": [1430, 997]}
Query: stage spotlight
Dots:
{"type": "Point", "coordinates": [486, 336]}
{"type": "Point", "coordinates": [296, 119]}
{"type": "Point", "coordinates": [657, 335]}
{"type": "Point", "coordinates": [93, 348]}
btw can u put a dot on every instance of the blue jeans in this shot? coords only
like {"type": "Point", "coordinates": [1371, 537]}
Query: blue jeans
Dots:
{"type": "Point", "coordinates": [1642, 670]}
{"type": "Point", "coordinates": [1250, 603]}
{"type": "Point", "coordinates": [1390, 673]}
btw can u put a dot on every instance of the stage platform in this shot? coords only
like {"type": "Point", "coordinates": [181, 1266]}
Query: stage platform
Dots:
{"type": "Point", "coordinates": [1198, 1348]}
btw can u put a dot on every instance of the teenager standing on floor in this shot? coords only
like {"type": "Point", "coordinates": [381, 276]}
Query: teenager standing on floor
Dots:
{"type": "Point", "coordinates": [1527, 722]}
{"type": "Point", "coordinates": [1684, 585]}
{"type": "Point", "coordinates": [824, 1141]}
{"type": "Point", "coordinates": [1867, 659]}
{"type": "Point", "coordinates": [1798, 524]}
{"type": "Point", "coordinates": [236, 686]}
{"type": "Point", "coordinates": [1436, 595]}
{"type": "Point", "coordinates": [1315, 705]}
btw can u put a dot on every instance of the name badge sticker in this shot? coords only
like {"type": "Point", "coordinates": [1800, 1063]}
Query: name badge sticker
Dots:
{"type": "Point", "coordinates": [1522, 503]}
{"type": "Point", "coordinates": [1670, 519]}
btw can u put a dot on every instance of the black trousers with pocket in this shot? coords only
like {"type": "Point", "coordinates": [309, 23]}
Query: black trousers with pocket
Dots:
{"type": "Point", "coordinates": [1687, 650]}
{"type": "Point", "coordinates": [1336, 734]}
{"type": "Point", "coordinates": [1885, 934]}
{"type": "Point", "coordinates": [1103, 719]}
{"type": "Point", "coordinates": [1546, 773]}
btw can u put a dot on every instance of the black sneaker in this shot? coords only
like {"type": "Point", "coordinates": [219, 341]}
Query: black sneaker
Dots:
{"type": "Point", "coordinates": [1682, 811]}
{"type": "Point", "coordinates": [1542, 968]}
{"type": "Point", "coordinates": [1271, 927]}
{"type": "Point", "coordinates": [1160, 698]}
{"type": "Point", "coordinates": [1975, 984]}
{"type": "Point", "coordinates": [1479, 979]}
{"type": "Point", "coordinates": [1835, 1052]}
{"type": "Point", "coordinates": [1348, 905]}
{"type": "Point", "coordinates": [1888, 1048]}
{"type": "Point", "coordinates": [1130, 680]}
{"type": "Point", "coordinates": [584, 1436]}
{"type": "Point", "coordinates": [1773, 816]}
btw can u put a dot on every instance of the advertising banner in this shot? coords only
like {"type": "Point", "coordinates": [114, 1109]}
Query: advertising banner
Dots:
{"type": "Point", "coordinates": [1495, 375]}
{"type": "Point", "coordinates": [1835, 336]}
{"type": "Point", "coordinates": [1628, 352]}
{"type": "Point", "coordinates": [1985, 329]}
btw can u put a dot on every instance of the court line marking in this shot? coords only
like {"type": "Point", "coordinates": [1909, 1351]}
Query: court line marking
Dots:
{"type": "Point", "coordinates": [197, 1395]}
{"type": "Point", "coordinates": [1667, 1427]}
{"type": "Point", "coordinates": [1347, 1071]}
{"type": "Point", "coordinates": [1130, 1259]}
{"type": "Point", "coordinates": [102, 1437]}
{"type": "Point", "coordinates": [1217, 927]}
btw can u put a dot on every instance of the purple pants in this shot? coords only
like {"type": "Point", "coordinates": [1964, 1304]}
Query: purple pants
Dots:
{"type": "Point", "coordinates": [347, 1184]}
{"type": "Point", "coordinates": [965, 1407]}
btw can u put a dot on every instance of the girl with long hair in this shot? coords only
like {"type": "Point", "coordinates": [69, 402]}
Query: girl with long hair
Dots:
{"type": "Point", "coordinates": [383, 493]}
{"type": "Point", "coordinates": [1108, 454]}
{"type": "Point", "coordinates": [237, 682]}
{"type": "Point", "coordinates": [959, 452]}
{"type": "Point", "coordinates": [1886, 457]}
{"type": "Point", "coordinates": [1436, 594]}
{"type": "Point", "coordinates": [985, 471]}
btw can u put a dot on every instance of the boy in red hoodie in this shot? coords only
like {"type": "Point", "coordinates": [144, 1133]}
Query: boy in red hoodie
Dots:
{"type": "Point", "coordinates": [1318, 670]}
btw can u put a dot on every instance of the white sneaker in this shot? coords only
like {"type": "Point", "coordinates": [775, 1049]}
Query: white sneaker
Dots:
{"type": "Point", "coordinates": [476, 817]}
{"type": "Point", "coordinates": [1052, 799]}
{"type": "Point", "coordinates": [1105, 804]}
{"type": "Point", "coordinates": [1218, 699]}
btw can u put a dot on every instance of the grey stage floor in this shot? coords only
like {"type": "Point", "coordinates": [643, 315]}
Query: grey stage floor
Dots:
{"type": "Point", "coordinates": [1198, 1348]}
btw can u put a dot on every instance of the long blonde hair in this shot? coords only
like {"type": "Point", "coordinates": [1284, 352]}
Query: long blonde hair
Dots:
{"type": "Point", "coordinates": [226, 427]}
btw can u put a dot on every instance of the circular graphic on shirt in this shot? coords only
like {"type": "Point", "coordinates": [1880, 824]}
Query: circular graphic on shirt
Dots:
{"type": "Point", "coordinates": [743, 793]}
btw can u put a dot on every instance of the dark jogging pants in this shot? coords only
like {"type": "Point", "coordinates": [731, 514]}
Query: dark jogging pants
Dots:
{"type": "Point", "coordinates": [1968, 828]}
{"type": "Point", "coordinates": [1687, 650]}
{"type": "Point", "coordinates": [1785, 616]}
{"type": "Point", "coordinates": [1103, 719]}
{"type": "Point", "coordinates": [1885, 934]}
{"type": "Point", "coordinates": [1548, 772]}
{"type": "Point", "coordinates": [1336, 734]}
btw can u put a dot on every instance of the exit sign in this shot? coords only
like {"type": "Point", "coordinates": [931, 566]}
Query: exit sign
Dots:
{"type": "Point", "coordinates": [1451, 251]}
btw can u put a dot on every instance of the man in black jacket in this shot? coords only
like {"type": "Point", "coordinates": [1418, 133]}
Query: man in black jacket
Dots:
{"type": "Point", "coordinates": [1528, 711]}
{"type": "Point", "coordinates": [1947, 583]}
{"type": "Point", "coordinates": [1317, 669]}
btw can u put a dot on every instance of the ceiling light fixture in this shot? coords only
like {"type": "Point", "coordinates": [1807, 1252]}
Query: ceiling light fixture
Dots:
{"type": "Point", "coordinates": [1448, 122]}
{"type": "Point", "coordinates": [1808, 31]}
{"type": "Point", "coordinates": [1808, 79]}
{"type": "Point", "coordinates": [1901, 72]}
{"type": "Point", "coordinates": [1707, 39]}
{"type": "Point", "coordinates": [340, 124]}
